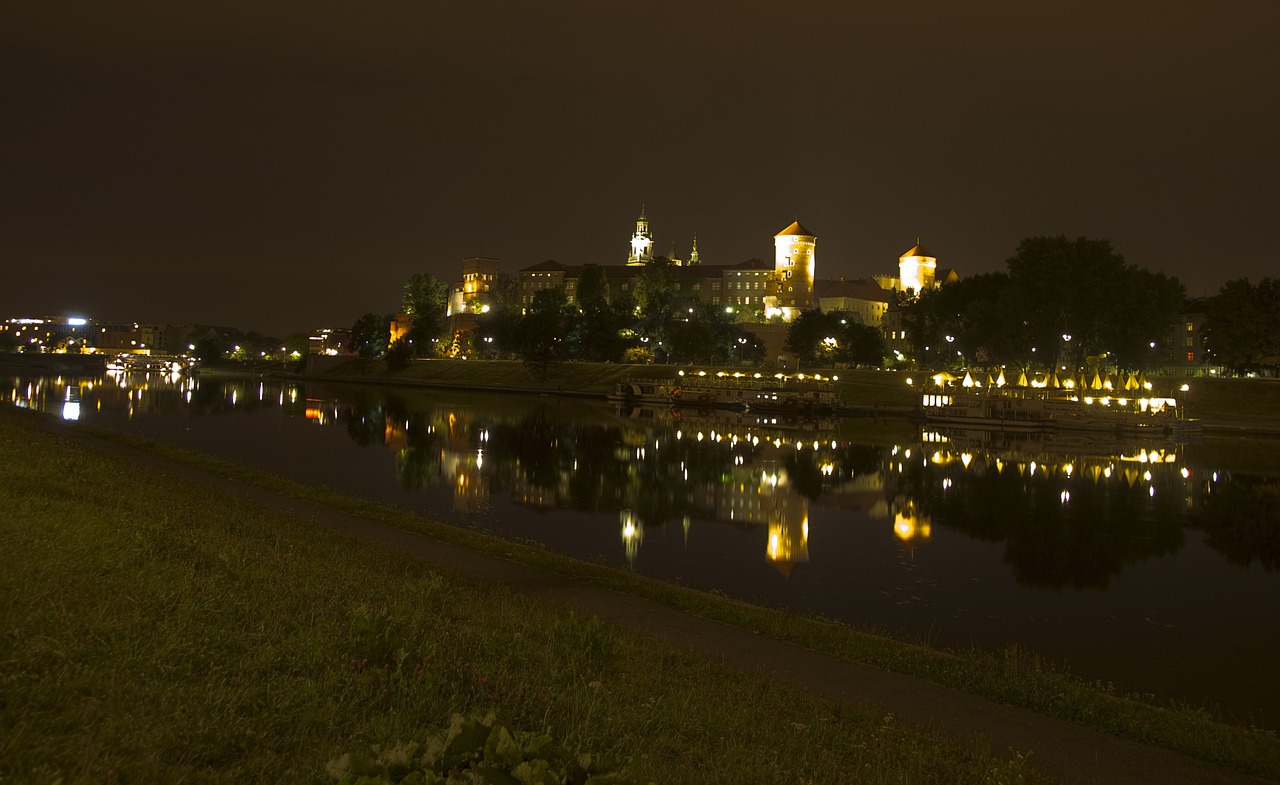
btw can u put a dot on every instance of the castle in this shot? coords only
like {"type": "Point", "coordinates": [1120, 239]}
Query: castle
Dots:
{"type": "Point", "coordinates": [753, 290]}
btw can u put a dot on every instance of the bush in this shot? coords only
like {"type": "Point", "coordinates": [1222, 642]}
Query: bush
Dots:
{"type": "Point", "coordinates": [478, 748]}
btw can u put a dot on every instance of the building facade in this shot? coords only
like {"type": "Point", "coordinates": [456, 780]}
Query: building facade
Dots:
{"type": "Point", "coordinates": [783, 288]}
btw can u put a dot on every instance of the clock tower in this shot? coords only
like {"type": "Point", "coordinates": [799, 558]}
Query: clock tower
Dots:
{"type": "Point", "coordinates": [641, 242]}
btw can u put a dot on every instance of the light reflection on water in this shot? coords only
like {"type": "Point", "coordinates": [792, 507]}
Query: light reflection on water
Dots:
{"type": "Point", "coordinates": [1130, 561]}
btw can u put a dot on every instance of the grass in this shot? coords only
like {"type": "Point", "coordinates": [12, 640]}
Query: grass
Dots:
{"type": "Point", "coordinates": [855, 388]}
{"type": "Point", "coordinates": [1015, 676]}
{"type": "Point", "coordinates": [1210, 398]}
{"type": "Point", "coordinates": [156, 629]}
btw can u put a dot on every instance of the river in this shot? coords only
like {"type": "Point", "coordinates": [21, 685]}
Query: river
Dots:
{"type": "Point", "coordinates": [1138, 566]}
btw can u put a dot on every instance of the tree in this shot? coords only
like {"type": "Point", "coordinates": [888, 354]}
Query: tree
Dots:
{"type": "Point", "coordinates": [210, 347]}
{"type": "Point", "coordinates": [704, 333]}
{"type": "Point", "coordinates": [1083, 289]}
{"type": "Point", "coordinates": [657, 298]}
{"type": "Point", "coordinates": [976, 320]}
{"type": "Point", "coordinates": [543, 330]}
{"type": "Point", "coordinates": [807, 334]}
{"type": "Point", "coordinates": [860, 344]}
{"type": "Point", "coordinates": [1147, 303]}
{"type": "Point", "coordinates": [296, 343]}
{"type": "Point", "coordinates": [425, 299]}
{"type": "Point", "coordinates": [595, 326]}
{"type": "Point", "coordinates": [1242, 326]}
{"type": "Point", "coordinates": [593, 288]}
{"type": "Point", "coordinates": [425, 295]}
{"type": "Point", "coordinates": [399, 354]}
{"type": "Point", "coordinates": [370, 334]}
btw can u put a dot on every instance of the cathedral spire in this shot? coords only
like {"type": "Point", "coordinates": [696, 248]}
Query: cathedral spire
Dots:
{"type": "Point", "coordinates": [693, 254]}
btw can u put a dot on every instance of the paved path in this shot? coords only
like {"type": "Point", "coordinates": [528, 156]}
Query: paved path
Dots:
{"type": "Point", "coordinates": [1073, 753]}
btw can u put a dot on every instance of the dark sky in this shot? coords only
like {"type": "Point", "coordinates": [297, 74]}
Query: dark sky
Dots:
{"type": "Point", "coordinates": [284, 165]}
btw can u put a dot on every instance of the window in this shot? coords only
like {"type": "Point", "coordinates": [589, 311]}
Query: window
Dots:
{"type": "Point", "coordinates": [1191, 327]}
{"type": "Point", "coordinates": [1191, 357]}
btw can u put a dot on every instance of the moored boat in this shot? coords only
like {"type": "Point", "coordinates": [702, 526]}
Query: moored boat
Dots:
{"type": "Point", "coordinates": [1039, 409]}
{"type": "Point", "coordinates": [780, 392]}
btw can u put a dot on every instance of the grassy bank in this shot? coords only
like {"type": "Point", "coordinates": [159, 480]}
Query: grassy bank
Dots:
{"type": "Point", "coordinates": [157, 630]}
{"type": "Point", "coordinates": [165, 629]}
{"type": "Point", "coordinates": [855, 388]}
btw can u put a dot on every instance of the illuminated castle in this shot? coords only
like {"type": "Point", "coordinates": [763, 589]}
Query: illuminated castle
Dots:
{"type": "Point", "coordinates": [917, 272]}
{"type": "Point", "coordinates": [782, 289]}
{"type": "Point", "coordinates": [791, 289]}
{"type": "Point", "coordinates": [917, 268]}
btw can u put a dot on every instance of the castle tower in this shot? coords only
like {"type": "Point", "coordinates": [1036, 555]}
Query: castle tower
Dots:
{"type": "Point", "coordinates": [641, 242]}
{"type": "Point", "coordinates": [793, 270]}
{"type": "Point", "coordinates": [916, 269]}
{"type": "Point", "coordinates": [693, 254]}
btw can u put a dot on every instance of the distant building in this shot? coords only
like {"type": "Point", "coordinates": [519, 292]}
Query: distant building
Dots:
{"type": "Point", "coordinates": [46, 334]}
{"type": "Point", "coordinates": [791, 289]}
{"type": "Point", "coordinates": [917, 271]}
{"type": "Point", "coordinates": [1184, 347]}
{"type": "Point", "coordinates": [862, 297]}
{"type": "Point", "coordinates": [473, 294]}
{"type": "Point", "coordinates": [782, 289]}
{"type": "Point", "coordinates": [115, 338]}
{"type": "Point", "coordinates": [743, 284]}
{"type": "Point", "coordinates": [328, 341]}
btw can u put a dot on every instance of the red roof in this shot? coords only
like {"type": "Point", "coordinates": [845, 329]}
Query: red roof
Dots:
{"type": "Point", "coordinates": [795, 229]}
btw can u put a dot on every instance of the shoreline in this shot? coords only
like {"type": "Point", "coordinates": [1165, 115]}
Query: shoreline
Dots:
{"type": "Point", "coordinates": [887, 404]}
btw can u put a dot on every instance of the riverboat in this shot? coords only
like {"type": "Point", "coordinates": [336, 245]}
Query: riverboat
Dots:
{"type": "Point", "coordinates": [1040, 409]}
{"type": "Point", "coordinates": [780, 393]}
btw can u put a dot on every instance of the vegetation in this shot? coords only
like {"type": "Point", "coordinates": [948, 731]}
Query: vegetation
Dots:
{"type": "Point", "coordinates": [370, 335]}
{"type": "Point", "coordinates": [1070, 301]}
{"type": "Point", "coordinates": [479, 747]}
{"type": "Point", "coordinates": [425, 301]}
{"type": "Point", "coordinates": [160, 630]}
{"type": "Point", "coordinates": [1242, 329]}
{"type": "Point", "coordinates": [835, 337]}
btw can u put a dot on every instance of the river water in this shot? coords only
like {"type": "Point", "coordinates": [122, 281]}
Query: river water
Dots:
{"type": "Point", "coordinates": [1136, 565]}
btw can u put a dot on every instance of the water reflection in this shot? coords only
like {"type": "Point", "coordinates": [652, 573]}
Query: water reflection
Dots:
{"type": "Point", "coordinates": [1070, 511]}
{"type": "Point", "coordinates": [1136, 563]}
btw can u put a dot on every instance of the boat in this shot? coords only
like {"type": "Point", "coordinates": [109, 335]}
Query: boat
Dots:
{"type": "Point", "coordinates": [778, 393]}
{"type": "Point", "coordinates": [1042, 409]}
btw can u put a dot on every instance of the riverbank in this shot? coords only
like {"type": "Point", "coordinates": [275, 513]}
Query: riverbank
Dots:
{"type": "Point", "coordinates": [858, 391]}
{"type": "Point", "coordinates": [1228, 407]}
{"type": "Point", "coordinates": [73, 488]}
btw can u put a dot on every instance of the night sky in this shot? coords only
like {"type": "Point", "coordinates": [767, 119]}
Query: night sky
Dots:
{"type": "Point", "coordinates": [285, 165]}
